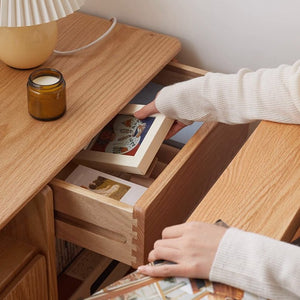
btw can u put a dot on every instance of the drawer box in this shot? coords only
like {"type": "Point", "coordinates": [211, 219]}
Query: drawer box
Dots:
{"type": "Point", "coordinates": [127, 233]}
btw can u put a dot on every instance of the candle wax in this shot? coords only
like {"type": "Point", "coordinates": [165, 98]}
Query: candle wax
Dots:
{"type": "Point", "coordinates": [46, 80]}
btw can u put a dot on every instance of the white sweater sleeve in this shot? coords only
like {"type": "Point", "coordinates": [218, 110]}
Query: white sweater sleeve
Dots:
{"type": "Point", "coordinates": [267, 94]}
{"type": "Point", "coordinates": [258, 264]}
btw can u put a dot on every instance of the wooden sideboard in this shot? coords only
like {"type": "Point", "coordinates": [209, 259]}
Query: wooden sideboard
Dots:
{"type": "Point", "coordinates": [100, 82]}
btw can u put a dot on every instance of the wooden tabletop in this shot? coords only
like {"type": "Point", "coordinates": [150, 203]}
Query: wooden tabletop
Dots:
{"type": "Point", "coordinates": [260, 190]}
{"type": "Point", "coordinates": [100, 80]}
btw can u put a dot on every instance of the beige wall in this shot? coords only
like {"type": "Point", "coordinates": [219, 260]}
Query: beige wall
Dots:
{"type": "Point", "coordinates": [217, 35]}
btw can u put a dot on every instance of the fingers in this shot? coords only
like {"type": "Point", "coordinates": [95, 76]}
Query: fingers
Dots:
{"type": "Point", "coordinates": [165, 250]}
{"type": "Point", "coordinates": [146, 111]}
{"type": "Point", "coordinates": [177, 126]}
{"type": "Point", "coordinates": [192, 246]}
{"type": "Point", "coordinates": [151, 109]}
{"type": "Point", "coordinates": [164, 270]}
{"type": "Point", "coordinates": [174, 231]}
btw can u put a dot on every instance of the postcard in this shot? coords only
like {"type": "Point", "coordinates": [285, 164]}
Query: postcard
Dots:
{"type": "Point", "coordinates": [106, 185]}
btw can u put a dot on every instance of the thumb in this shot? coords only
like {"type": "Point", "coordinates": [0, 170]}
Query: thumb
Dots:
{"type": "Point", "coordinates": [146, 111]}
{"type": "Point", "coordinates": [176, 127]}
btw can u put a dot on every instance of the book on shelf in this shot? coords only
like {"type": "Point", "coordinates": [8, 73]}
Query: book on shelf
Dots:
{"type": "Point", "coordinates": [106, 184]}
{"type": "Point", "coordinates": [126, 143]}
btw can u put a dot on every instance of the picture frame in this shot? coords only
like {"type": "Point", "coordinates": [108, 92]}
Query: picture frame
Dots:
{"type": "Point", "coordinates": [126, 144]}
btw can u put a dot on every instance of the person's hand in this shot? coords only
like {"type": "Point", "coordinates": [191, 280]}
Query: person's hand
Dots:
{"type": "Point", "coordinates": [146, 111]}
{"type": "Point", "coordinates": [191, 246]}
{"type": "Point", "coordinates": [151, 109]}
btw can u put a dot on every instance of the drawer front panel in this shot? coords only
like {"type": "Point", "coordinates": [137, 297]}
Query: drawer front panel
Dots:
{"type": "Point", "coordinates": [91, 207]}
{"type": "Point", "coordinates": [93, 221]}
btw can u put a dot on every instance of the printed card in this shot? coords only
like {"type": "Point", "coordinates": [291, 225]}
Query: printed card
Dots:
{"type": "Point", "coordinates": [106, 185]}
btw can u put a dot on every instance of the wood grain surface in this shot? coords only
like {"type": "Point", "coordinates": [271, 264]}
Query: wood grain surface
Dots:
{"type": "Point", "coordinates": [31, 283]}
{"type": "Point", "coordinates": [14, 255]}
{"type": "Point", "coordinates": [260, 189]}
{"type": "Point", "coordinates": [100, 81]}
{"type": "Point", "coordinates": [34, 225]}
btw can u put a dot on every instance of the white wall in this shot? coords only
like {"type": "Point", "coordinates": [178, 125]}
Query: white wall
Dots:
{"type": "Point", "coordinates": [217, 35]}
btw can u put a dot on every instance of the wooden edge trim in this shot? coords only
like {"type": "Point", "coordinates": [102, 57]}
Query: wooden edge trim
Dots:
{"type": "Point", "coordinates": [182, 68]}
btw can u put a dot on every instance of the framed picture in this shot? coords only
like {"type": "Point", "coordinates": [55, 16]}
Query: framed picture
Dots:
{"type": "Point", "coordinates": [106, 185]}
{"type": "Point", "coordinates": [126, 143]}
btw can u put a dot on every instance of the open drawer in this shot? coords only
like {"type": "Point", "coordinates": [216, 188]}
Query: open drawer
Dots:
{"type": "Point", "coordinates": [182, 178]}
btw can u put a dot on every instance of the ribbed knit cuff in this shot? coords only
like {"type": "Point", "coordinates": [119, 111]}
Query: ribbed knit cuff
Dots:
{"type": "Point", "coordinates": [183, 102]}
{"type": "Point", "coordinates": [267, 94]}
{"type": "Point", "coordinates": [257, 264]}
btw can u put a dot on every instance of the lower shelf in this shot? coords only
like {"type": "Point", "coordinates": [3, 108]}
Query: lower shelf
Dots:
{"type": "Point", "coordinates": [88, 273]}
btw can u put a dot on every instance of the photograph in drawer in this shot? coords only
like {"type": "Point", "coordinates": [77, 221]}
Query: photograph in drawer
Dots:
{"type": "Point", "coordinates": [106, 185]}
{"type": "Point", "coordinates": [126, 143]}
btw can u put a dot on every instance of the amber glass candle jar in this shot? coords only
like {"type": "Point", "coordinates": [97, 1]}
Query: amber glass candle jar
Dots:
{"type": "Point", "coordinates": [46, 92]}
